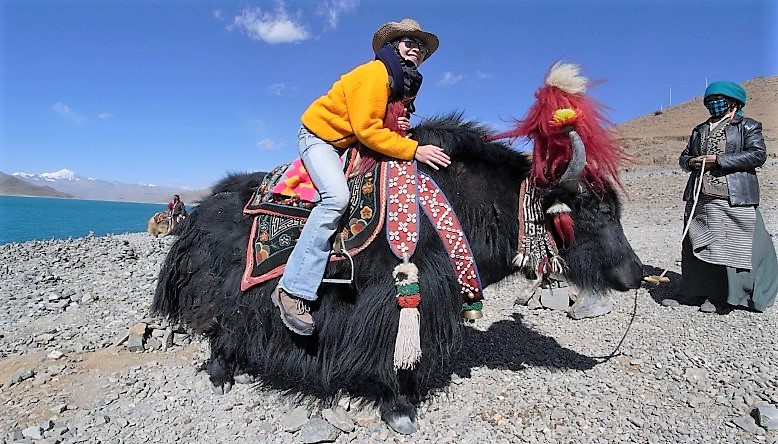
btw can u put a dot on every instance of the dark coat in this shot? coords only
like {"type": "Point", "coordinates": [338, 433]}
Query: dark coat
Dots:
{"type": "Point", "coordinates": [178, 209]}
{"type": "Point", "coordinates": [745, 151]}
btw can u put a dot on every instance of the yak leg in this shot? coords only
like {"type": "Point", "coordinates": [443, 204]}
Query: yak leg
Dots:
{"type": "Point", "coordinates": [398, 408]}
{"type": "Point", "coordinates": [221, 372]}
{"type": "Point", "coordinates": [409, 386]}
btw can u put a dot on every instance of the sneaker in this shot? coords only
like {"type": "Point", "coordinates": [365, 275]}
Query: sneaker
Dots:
{"type": "Point", "coordinates": [295, 312]}
{"type": "Point", "coordinates": [707, 307]}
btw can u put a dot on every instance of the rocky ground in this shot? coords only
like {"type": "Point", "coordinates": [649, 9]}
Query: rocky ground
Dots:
{"type": "Point", "coordinates": [73, 369]}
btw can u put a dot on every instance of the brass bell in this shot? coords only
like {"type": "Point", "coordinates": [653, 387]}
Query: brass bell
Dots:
{"type": "Point", "coordinates": [472, 315]}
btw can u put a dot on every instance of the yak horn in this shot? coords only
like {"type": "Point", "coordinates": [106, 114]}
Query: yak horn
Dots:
{"type": "Point", "coordinates": [575, 168]}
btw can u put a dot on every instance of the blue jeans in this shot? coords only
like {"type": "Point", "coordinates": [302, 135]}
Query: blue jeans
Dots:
{"type": "Point", "coordinates": [305, 267]}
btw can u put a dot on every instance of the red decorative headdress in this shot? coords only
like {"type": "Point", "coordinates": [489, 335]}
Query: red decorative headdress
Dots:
{"type": "Point", "coordinates": [560, 103]}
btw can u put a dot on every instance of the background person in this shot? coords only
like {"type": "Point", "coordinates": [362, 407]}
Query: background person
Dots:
{"type": "Point", "coordinates": [177, 212]}
{"type": "Point", "coordinates": [728, 259]}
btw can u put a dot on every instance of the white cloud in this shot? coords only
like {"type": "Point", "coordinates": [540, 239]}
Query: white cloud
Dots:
{"type": "Point", "coordinates": [65, 111]}
{"type": "Point", "coordinates": [483, 75]}
{"type": "Point", "coordinates": [271, 28]}
{"type": "Point", "coordinates": [276, 89]}
{"type": "Point", "coordinates": [217, 14]}
{"type": "Point", "coordinates": [450, 78]}
{"type": "Point", "coordinates": [106, 116]}
{"type": "Point", "coordinates": [332, 9]}
{"type": "Point", "coordinates": [267, 145]}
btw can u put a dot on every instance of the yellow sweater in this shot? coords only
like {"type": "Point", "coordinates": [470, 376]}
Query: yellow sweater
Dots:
{"type": "Point", "coordinates": [354, 109]}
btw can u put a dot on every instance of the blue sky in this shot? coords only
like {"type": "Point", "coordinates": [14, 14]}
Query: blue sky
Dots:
{"type": "Point", "coordinates": [181, 92]}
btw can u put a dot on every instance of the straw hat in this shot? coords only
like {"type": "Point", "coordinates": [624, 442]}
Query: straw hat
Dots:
{"type": "Point", "coordinates": [405, 27]}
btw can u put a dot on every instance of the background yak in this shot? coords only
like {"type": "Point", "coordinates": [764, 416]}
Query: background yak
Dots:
{"type": "Point", "coordinates": [159, 224]}
{"type": "Point", "coordinates": [199, 284]}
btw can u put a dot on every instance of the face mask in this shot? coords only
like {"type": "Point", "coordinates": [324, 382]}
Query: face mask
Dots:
{"type": "Point", "coordinates": [718, 107]}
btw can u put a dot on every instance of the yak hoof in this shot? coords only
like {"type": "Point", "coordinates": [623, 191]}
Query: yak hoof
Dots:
{"type": "Point", "coordinates": [244, 378]}
{"type": "Point", "coordinates": [221, 389]}
{"type": "Point", "coordinates": [402, 424]}
{"type": "Point", "coordinates": [400, 416]}
{"type": "Point", "coordinates": [590, 305]}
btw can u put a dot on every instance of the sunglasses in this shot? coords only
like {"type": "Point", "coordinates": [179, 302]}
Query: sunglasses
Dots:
{"type": "Point", "coordinates": [411, 42]}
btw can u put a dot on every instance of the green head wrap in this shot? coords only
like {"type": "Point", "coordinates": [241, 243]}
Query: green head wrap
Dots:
{"type": "Point", "coordinates": [728, 89]}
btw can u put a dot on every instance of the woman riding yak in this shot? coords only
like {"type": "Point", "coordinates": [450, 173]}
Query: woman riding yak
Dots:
{"type": "Point", "coordinates": [369, 106]}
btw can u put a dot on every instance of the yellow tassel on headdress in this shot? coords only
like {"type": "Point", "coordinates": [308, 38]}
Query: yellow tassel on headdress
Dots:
{"type": "Point", "coordinates": [565, 116]}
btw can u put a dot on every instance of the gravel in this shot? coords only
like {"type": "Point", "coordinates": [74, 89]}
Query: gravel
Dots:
{"type": "Point", "coordinates": [73, 309]}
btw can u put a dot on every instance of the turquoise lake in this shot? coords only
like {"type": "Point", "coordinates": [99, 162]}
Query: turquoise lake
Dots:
{"type": "Point", "coordinates": [40, 218]}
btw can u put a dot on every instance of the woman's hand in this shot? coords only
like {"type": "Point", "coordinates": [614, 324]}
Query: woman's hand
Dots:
{"type": "Point", "coordinates": [404, 123]}
{"type": "Point", "coordinates": [696, 162]}
{"type": "Point", "coordinates": [432, 155]}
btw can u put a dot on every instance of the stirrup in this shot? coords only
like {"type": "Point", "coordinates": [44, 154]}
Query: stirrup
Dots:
{"type": "Point", "coordinates": [338, 250]}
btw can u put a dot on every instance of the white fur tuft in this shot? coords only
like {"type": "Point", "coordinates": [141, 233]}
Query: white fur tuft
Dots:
{"type": "Point", "coordinates": [558, 208]}
{"type": "Point", "coordinates": [566, 77]}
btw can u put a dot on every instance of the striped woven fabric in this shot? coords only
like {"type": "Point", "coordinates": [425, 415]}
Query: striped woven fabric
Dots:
{"type": "Point", "coordinates": [721, 234]}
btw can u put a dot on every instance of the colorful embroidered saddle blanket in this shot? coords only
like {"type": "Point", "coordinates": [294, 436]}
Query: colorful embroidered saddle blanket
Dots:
{"type": "Point", "coordinates": [160, 217]}
{"type": "Point", "coordinates": [280, 213]}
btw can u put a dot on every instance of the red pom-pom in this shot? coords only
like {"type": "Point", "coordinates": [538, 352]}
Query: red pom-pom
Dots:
{"type": "Point", "coordinates": [409, 301]}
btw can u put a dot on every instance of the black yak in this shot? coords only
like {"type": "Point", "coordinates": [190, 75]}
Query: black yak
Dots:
{"type": "Point", "coordinates": [357, 325]}
{"type": "Point", "coordinates": [200, 281]}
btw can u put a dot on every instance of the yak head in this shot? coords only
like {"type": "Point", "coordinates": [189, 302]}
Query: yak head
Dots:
{"type": "Point", "coordinates": [575, 167]}
{"type": "Point", "coordinates": [584, 218]}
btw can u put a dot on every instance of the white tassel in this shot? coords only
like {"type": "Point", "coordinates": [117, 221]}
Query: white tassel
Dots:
{"type": "Point", "coordinates": [407, 348]}
{"type": "Point", "coordinates": [558, 265]}
{"type": "Point", "coordinates": [518, 260]}
{"type": "Point", "coordinates": [407, 345]}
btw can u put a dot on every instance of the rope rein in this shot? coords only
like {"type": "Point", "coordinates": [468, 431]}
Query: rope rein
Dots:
{"type": "Point", "coordinates": [615, 351]}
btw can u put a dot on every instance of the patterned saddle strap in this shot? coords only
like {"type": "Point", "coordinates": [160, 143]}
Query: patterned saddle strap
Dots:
{"type": "Point", "coordinates": [407, 191]}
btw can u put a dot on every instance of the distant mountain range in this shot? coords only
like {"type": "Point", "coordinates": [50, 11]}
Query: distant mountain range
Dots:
{"type": "Point", "coordinates": [14, 186]}
{"type": "Point", "coordinates": [66, 183]}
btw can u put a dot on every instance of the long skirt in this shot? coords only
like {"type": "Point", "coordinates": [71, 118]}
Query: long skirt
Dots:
{"type": "Point", "coordinates": [754, 289]}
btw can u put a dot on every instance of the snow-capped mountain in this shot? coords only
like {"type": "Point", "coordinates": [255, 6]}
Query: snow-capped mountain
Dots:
{"type": "Point", "coordinates": [63, 174]}
{"type": "Point", "coordinates": [69, 182]}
